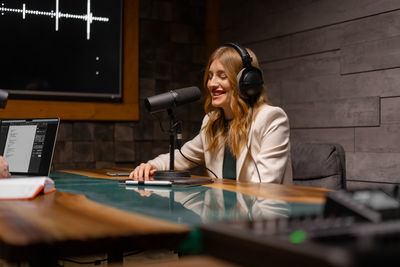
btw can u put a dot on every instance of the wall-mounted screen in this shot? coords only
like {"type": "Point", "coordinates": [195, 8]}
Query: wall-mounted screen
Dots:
{"type": "Point", "coordinates": [61, 49]}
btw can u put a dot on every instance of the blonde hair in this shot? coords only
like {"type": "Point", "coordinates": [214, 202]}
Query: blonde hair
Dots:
{"type": "Point", "coordinates": [239, 126]}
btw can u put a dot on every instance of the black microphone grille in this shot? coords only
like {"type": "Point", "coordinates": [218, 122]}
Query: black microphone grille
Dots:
{"type": "Point", "coordinates": [172, 98]}
{"type": "Point", "coordinates": [187, 94]}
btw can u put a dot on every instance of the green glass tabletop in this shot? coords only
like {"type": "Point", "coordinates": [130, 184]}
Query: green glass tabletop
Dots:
{"type": "Point", "coordinates": [191, 205]}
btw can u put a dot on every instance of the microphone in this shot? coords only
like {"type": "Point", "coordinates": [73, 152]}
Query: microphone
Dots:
{"type": "Point", "coordinates": [3, 98]}
{"type": "Point", "coordinates": [172, 98]}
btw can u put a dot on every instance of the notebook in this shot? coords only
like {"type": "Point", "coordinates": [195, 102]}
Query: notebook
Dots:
{"type": "Point", "coordinates": [25, 188]}
{"type": "Point", "coordinates": [28, 145]}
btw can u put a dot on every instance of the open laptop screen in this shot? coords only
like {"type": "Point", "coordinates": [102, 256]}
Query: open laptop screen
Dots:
{"type": "Point", "coordinates": [28, 145]}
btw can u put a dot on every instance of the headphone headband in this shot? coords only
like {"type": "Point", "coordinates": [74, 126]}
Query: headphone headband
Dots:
{"type": "Point", "coordinates": [246, 58]}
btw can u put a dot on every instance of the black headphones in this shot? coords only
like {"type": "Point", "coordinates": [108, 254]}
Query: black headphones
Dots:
{"type": "Point", "coordinates": [249, 79]}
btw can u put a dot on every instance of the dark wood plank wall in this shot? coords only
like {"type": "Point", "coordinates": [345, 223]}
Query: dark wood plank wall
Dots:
{"type": "Point", "coordinates": [334, 66]}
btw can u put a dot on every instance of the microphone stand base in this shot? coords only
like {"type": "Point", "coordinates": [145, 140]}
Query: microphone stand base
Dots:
{"type": "Point", "coordinates": [171, 175]}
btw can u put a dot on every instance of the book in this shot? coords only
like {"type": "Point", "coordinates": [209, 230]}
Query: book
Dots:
{"type": "Point", "coordinates": [25, 188]}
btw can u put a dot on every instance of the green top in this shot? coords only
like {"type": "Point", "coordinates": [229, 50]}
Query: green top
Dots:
{"type": "Point", "coordinates": [229, 163]}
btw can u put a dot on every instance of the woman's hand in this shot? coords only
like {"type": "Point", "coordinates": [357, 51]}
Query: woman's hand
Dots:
{"type": "Point", "coordinates": [4, 173]}
{"type": "Point", "coordinates": [143, 172]}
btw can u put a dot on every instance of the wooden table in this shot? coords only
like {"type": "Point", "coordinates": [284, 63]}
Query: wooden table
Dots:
{"type": "Point", "coordinates": [60, 224]}
{"type": "Point", "coordinates": [190, 261]}
{"type": "Point", "coordinates": [273, 191]}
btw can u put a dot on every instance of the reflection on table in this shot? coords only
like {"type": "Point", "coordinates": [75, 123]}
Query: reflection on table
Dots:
{"type": "Point", "coordinates": [198, 204]}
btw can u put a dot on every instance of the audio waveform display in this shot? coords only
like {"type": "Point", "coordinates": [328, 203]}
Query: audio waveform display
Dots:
{"type": "Point", "coordinates": [57, 15]}
{"type": "Point", "coordinates": [62, 49]}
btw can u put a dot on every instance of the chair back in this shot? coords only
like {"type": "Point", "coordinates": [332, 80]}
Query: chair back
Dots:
{"type": "Point", "coordinates": [319, 165]}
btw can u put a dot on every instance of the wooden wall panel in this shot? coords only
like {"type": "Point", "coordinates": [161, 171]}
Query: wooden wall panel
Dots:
{"type": "Point", "coordinates": [343, 136]}
{"type": "Point", "coordinates": [316, 41]}
{"type": "Point", "coordinates": [319, 88]}
{"type": "Point", "coordinates": [370, 56]}
{"type": "Point", "coordinates": [378, 139]}
{"type": "Point", "coordinates": [377, 167]}
{"type": "Point", "coordinates": [351, 112]}
{"type": "Point", "coordinates": [273, 92]}
{"type": "Point", "coordinates": [302, 67]}
{"type": "Point", "coordinates": [390, 111]}
{"type": "Point", "coordinates": [384, 83]}
{"type": "Point", "coordinates": [376, 27]}
{"type": "Point", "coordinates": [272, 49]}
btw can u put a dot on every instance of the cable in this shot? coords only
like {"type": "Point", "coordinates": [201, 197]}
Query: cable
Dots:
{"type": "Point", "coordinates": [159, 122]}
{"type": "Point", "coordinates": [134, 252]}
{"type": "Point", "coordinates": [179, 142]}
{"type": "Point", "coordinates": [248, 148]}
{"type": "Point", "coordinates": [95, 262]}
{"type": "Point", "coordinates": [200, 165]}
{"type": "Point", "coordinates": [98, 262]}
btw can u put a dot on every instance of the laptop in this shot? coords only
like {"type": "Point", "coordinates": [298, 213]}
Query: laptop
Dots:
{"type": "Point", "coordinates": [28, 145]}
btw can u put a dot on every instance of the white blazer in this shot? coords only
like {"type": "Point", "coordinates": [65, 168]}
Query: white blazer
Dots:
{"type": "Point", "coordinates": [269, 145]}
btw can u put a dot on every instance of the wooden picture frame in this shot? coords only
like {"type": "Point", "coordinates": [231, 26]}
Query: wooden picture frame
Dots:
{"type": "Point", "coordinates": [127, 110]}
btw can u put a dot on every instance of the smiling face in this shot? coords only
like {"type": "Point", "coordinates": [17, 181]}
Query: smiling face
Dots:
{"type": "Point", "coordinates": [220, 88]}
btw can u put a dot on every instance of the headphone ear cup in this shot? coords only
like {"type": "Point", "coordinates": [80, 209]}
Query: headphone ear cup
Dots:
{"type": "Point", "coordinates": [239, 79]}
{"type": "Point", "coordinates": [250, 82]}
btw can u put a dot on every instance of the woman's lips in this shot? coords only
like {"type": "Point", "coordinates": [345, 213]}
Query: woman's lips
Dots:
{"type": "Point", "coordinates": [218, 92]}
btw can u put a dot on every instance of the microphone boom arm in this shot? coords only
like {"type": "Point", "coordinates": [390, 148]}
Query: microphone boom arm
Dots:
{"type": "Point", "coordinates": [171, 174]}
{"type": "Point", "coordinates": [171, 140]}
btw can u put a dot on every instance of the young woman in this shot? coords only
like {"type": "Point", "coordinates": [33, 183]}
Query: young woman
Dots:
{"type": "Point", "coordinates": [242, 136]}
